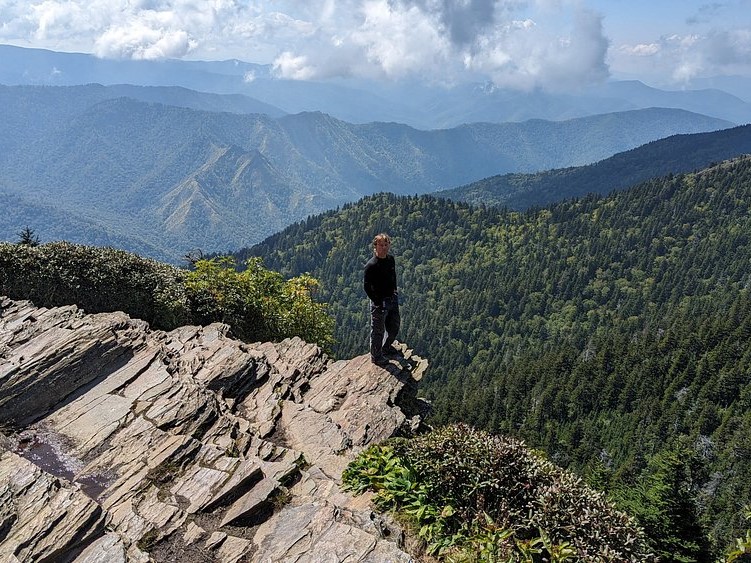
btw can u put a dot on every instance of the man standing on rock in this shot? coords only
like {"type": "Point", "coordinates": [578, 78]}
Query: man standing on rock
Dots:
{"type": "Point", "coordinates": [380, 285]}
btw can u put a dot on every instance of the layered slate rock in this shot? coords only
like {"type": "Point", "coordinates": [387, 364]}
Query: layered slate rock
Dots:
{"type": "Point", "coordinates": [41, 516]}
{"type": "Point", "coordinates": [126, 444]}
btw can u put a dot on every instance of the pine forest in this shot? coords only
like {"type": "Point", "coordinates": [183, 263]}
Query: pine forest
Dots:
{"type": "Point", "coordinates": [610, 332]}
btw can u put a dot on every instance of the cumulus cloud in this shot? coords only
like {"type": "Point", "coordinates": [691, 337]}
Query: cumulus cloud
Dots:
{"type": "Point", "coordinates": [400, 39]}
{"type": "Point", "coordinates": [371, 38]}
{"type": "Point", "coordinates": [446, 40]}
{"type": "Point", "coordinates": [685, 57]}
{"type": "Point", "coordinates": [517, 43]}
{"type": "Point", "coordinates": [718, 51]}
{"type": "Point", "coordinates": [729, 47]}
{"type": "Point", "coordinates": [141, 42]}
{"type": "Point", "coordinates": [463, 20]}
{"type": "Point", "coordinates": [526, 55]}
{"type": "Point", "coordinates": [295, 67]}
{"type": "Point", "coordinates": [641, 50]}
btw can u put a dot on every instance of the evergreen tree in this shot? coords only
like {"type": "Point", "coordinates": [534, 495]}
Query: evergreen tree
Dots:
{"type": "Point", "coordinates": [28, 237]}
{"type": "Point", "coordinates": [664, 505]}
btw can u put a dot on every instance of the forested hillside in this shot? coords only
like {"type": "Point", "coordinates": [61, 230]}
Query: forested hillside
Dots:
{"type": "Point", "coordinates": [672, 155]}
{"type": "Point", "coordinates": [166, 180]}
{"type": "Point", "coordinates": [613, 332]}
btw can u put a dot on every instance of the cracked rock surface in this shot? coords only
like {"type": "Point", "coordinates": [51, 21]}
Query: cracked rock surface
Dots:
{"type": "Point", "coordinates": [124, 444]}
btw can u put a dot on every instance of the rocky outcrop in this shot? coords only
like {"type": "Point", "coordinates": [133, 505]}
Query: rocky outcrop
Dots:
{"type": "Point", "coordinates": [123, 444]}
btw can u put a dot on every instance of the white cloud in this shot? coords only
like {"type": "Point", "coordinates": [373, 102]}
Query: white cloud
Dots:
{"type": "Point", "coordinates": [401, 39]}
{"type": "Point", "coordinates": [729, 47]}
{"type": "Point", "coordinates": [526, 55]}
{"type": "Point", "coordinates": [374, 38]}
{"type": "Point", "coordinates": [444, 40]}
{"type": "Point", "coordinates": [519, 43]}
{"type": "Point", "coordinates": [682, 58]}
{"type": "Point", "coordinates": [516, 43]}
{"type": "Point", "coordinates": [139, 41]}
{"type": "Point", "coordinates": [641, 50]}
{"type": "Point", "coordinates": [295, 67]}
{"type": "Point", "coordinates": [720, 51]}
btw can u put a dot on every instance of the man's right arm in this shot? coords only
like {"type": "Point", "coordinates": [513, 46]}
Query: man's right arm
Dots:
{"type": "Point", "coordinates": [368, 284]}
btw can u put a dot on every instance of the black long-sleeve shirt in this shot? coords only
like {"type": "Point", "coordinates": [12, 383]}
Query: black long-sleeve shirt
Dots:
{"type": "Point", "coordinates": [380, 278]}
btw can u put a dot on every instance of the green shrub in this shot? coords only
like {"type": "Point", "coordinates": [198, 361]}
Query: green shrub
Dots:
{"type": "Point", "coordinates": [473, 496]}
{"type": "Point", "coordinates": [95, 279]}
{"type": "Point", "coordinates": [257, 304]}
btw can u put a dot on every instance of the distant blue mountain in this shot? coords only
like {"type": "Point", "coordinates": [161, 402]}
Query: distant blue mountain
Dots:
{"type": "Point", "coordinates": [359, 101]}
{"type": "Point", "coordinates": [172, 178]}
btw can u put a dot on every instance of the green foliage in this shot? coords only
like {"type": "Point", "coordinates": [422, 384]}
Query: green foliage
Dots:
{"type": "Point", "coordinates": [472, 496]}
{"type": "Point", "coordinates": [663, 504]}
{"type": "Point", "coordinates": [95, 279]}
{"type": "Point", "coordinates": [257, 304]}
{"type": "Point", "coordinates": [27, 237]}
{"type": "Point", "coordinates": [600, 330]}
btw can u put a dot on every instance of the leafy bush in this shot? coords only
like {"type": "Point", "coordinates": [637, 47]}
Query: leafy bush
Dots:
{"type": "Point", "coordinates": [95, 279]}
{"type": "Point", "coordinates": [257, 304]}
{"type": "Point", "coordinates": [473, 496]}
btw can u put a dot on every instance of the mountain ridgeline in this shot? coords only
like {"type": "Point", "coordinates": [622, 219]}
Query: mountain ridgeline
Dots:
{"type": "Point", "coordinates": [365, 101]}
{"type": "Point", "coordinates": [613, 332]}
{"type": "Point", "coordinates": [675, 154]}
{"type": "Point", "coordinates": [109, 166]}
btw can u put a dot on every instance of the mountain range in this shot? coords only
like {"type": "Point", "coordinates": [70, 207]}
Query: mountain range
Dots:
{"type": "Point", "coordinates": [110, 165]}
{"type": "Point", "coordinates": [678, 153]}
{"type": "Point", "coordinates": [361, 101]}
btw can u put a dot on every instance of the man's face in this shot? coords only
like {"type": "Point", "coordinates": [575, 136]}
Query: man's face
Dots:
{"type": "Point", "coordinates": [382, 248]}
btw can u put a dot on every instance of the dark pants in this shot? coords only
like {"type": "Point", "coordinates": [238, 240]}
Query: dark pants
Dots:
{"type": "Point", "coordinates": [383, 320]}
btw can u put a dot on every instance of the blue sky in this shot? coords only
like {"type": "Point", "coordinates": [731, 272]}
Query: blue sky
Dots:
{"type": "Point", "coordinates": [553, 44]}
{"type": "Point", "coordinates": [674, 40]}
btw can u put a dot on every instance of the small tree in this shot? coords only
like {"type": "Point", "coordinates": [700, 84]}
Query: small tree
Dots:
{"type": "Point", "coordinates": [28, 237]}
{"type": "Point", "coordinates": [257, 303]}
{"type": "Point", "coordinates": [663, 503]}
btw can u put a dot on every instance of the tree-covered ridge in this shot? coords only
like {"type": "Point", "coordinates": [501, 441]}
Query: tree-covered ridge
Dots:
{"type": "Point", "coordinates": [607, 330]}
{"type": "Point", "coordinates": [672, 155]}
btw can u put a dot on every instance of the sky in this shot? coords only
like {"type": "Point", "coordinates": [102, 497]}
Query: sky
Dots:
{"type": "Point", "coordinates": [522, 44]}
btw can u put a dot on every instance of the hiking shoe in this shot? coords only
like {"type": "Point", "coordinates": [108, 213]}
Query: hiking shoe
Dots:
{"type": "Point", "coordinates": [380, 360]}
{"type": "Point", "coordinates": [391, 351]}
